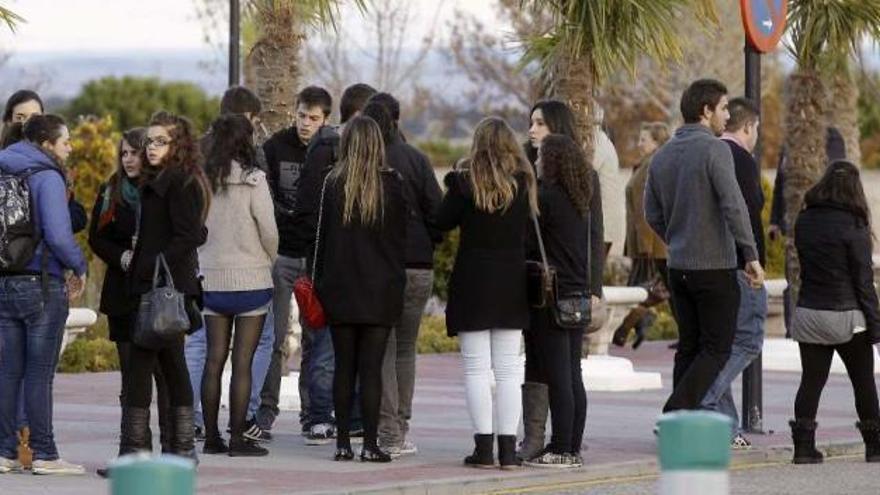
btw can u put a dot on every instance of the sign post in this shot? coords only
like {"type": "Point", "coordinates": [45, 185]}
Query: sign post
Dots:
{"type": "Point", "coordinates": [234, 42]}
{"type": "Point", "coordinates": [764, 24]}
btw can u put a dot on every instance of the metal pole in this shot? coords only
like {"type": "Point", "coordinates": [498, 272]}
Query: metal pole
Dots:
{"type": "Point", "coordinates": [752, 382]}
{"type": "Point", "coordinates": [234, 42]}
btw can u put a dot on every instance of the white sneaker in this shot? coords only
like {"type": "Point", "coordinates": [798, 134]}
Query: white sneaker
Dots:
{"type": "Point", "coordinates": [58, 466]}
{"type": "Point", "coordinates": [408, 448]}
{"type": "Point", "coordinates": [9, 465]}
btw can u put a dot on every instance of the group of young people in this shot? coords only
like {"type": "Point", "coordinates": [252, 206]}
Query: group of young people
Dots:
{"type": "Point", "coordinates": [357, 210]}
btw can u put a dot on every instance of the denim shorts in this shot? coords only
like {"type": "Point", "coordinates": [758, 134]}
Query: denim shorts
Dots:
{"type": "Point", "coordinates": [237, 303]}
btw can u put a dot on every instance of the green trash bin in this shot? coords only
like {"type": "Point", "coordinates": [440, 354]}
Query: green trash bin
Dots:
{"type": "Point", "coordinates": [694, 451]}
{"type": "Point", "coordinates": [142, 474]}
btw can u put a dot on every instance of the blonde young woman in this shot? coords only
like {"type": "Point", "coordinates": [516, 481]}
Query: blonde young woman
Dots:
{"type": "Point", "coordinates": [490, 196]}
{"type": "Point", "coordinates": [361, 275]}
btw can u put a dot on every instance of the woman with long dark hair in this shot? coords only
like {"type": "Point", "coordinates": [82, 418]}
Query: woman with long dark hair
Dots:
{"type": "Point", "coordinates": [564, 197]}
{"type": "Point", "coordinates": [237, 264]}
{"type": "Point", "coordinates": [837, 308]}
{"type": "Point", "coordinates": [34, 298]}
{"type": "Point", "coordinates": [175, 197]}
{"type": "Point", "coordinates": [112, 238]}
{"type": "Point", "coordinates": [360, 275]}
{"type": "Point", "coordinates": [490, 196]}
{"type": "Point", "coordinates": [554, 117]}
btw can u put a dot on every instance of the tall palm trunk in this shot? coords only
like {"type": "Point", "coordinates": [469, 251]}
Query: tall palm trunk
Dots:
{"type": "Point", "coordinates": [805, 142]}
{"type": "Point", "coordinates": [842, 111]}
{"type": "Point", "coordinates": [573, 83]}
{"type": "Point", "coordinates": [275, 62]}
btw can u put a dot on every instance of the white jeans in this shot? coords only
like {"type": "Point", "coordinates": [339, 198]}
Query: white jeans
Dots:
{"type": "Point", "coordinates": [483, 353]}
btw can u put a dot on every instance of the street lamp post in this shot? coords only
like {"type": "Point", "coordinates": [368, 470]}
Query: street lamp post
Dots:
{"type": "Point", "coordinates": [234, 42]}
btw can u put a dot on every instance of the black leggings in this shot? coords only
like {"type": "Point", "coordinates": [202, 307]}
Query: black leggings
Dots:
{"type": "Point", "coordinates": [858, 357]}
{"type": "Point", "coordinates": [553, 357]}
{"type": "Point", "coordinates": [139, 381]}
{"type": "Point", "coordinates": [218, 330]}
{"type": "Point", "coordinates": [359, 351]}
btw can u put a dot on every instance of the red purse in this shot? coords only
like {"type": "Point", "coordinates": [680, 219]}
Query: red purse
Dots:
{"type": "Point", "coordinates": [310, 308]}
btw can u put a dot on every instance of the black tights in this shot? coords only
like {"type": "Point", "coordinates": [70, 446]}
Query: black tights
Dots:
{"type": "Point", "coordinates": [358, 351]}
{"type": "Point", "coordinates": [139, 378]}
{"type": "Point", "coordinates": [553, 357]}
{"type": "Point", "coordinates": [858, 357]}
{"type": "Point", "coordinates": [219, 334]}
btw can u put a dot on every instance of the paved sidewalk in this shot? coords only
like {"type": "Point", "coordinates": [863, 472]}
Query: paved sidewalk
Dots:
{"type": "Point", "coordinates": [618, 439]}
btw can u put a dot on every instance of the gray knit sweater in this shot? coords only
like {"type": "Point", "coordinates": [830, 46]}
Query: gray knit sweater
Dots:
{"type": "Point", "coordinates": [692, 200]}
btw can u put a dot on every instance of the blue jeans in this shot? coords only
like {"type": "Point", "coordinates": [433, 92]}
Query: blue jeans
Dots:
{"type": "Point", "coordinates": [747, 343]}
{"type": "Point", "coordinates": [195, 351]}
{"type": "Point", "coordinates": [31, 329]}
{"type": "Point", "coordinates": [319, 380]}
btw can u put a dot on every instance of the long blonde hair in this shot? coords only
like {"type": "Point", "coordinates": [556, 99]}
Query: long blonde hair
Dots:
{"type": "Point", "coordinates": [360, 165]}
{"type": "Point", "coordinates": [495, 159]}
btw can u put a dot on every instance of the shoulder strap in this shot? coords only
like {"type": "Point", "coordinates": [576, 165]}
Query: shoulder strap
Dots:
{"type": "Point", "coordinates": [544, 264]}
{"type": "Point", "coordinates": [320, 220]}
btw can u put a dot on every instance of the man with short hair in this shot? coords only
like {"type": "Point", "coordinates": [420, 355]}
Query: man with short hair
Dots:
{"type": "Point", "coordinates": [693, 202]}
{"type": "Point", "coordinates": [423, 197]}
{"type": "Point", "coordinates": [285, 157]}
{"type": "Point", "coordinates": [741, 135]}
{"type": "Point", "coordinates": [318, 358]}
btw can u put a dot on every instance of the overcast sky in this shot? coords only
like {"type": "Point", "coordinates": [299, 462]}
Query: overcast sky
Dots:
{"type": "Point", "coordinates": [112, 25]}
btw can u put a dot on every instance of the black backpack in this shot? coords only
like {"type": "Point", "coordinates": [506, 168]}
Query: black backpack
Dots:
{"type": "Point", "coordinates": [19, 235]}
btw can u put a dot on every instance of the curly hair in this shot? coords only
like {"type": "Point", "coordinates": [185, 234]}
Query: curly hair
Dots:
{"type": "Point", "coordinates": [563, 162]}
{"type": "Point", "coordinates": [183, 153]}
{"type": "Point", "coordinates": [232, 139]}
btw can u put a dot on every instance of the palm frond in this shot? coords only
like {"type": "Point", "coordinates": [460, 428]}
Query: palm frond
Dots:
{"type": "Point", "coordinates": [825, 34]}
{"type": "Point", "coordinates": [615, 34]}
{"type": "Point", "coordinates": [10, 18]}
{"type": "Point", "coordinates": [306, 13]}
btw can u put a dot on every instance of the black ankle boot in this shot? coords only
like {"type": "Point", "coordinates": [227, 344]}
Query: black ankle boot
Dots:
{"type": "Point", "coordinates": [240, 446]}
{"type": "Point", "coordinates": [871, 435]}
{"type": "Point", "coordinates": [134, 435]}
{"type": "Point", "coordinates": [215, 445]}
{"type": "Point", "coordinates": [483, 456]}
{"type": "Point", "coordinates": [803, 434]}
{"type": "Point", "coordinates": [507, 452]}
{"type": "Point", "coordinates": [183, 441]}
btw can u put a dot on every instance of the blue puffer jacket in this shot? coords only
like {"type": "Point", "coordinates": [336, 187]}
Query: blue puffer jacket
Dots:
{"type": "Point", "coordinates": [49, 196]}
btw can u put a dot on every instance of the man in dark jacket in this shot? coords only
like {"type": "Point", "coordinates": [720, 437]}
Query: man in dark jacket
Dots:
{"type": "Point", "coordinates": [693, 202]}
{"type": "Point", "coordinates": [285, 157]}
{"type": "Point", "coordinates": [741, 136]}
{"type": "Point", "coordinates": [423, 197]}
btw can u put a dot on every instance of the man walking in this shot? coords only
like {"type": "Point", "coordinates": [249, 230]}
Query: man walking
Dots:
{"type": "Point", "coordinates": [693, 202]}
{"type": "Point", "coordinates": [742, 136]}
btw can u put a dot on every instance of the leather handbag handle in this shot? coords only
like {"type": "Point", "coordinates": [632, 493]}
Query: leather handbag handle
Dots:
{"type": "Point", "coordinates": [169, 280]}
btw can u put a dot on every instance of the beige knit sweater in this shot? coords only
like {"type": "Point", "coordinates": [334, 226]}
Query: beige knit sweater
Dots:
{"type": "Point", "coordinates": [242, 236]}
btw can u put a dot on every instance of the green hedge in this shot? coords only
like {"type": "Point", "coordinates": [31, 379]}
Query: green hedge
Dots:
{"type": "Point", "coordinates": [432, 337]}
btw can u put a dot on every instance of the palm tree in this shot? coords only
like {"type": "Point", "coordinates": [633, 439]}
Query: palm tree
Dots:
{"type": "Point", "coordinates": [275, 59]}
{"type": "Point", "coordinates": [591, 39]}
{"type": "Point", "coordinates": [824, 36]}
{"type": "Point", "coordinates": [9, 17]}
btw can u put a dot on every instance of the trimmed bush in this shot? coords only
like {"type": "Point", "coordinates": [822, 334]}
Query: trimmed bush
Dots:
{"type": "Point", "coordinates": [89, 355]}
{"type": "Point", "coordinates": [432, 337]}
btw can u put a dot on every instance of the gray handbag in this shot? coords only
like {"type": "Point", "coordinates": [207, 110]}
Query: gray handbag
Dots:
{"type": "Point", "coordinates": [162, 315]}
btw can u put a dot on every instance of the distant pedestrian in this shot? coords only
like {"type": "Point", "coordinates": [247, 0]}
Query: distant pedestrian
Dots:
{"type": "Point", "coordinates": [490, 196]}
{"type": "Point", "coordinates": [360, 275]}
{"type": "Point", "coordinates": [837, 308]}
{"type": "Point", "coordinates": [693, 202]}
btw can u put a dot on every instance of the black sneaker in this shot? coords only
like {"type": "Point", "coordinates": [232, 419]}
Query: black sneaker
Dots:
{"type": "Point", "coordinates": [374, 454]}
{"type": "Point", "coordinates": [199, 434]}
{"type": "Point", "coordinates": [215, 446]}
{"type": "Point", "coordinates": [255, 433]}
{"type": "Point", "coordinates": [321, 434]}
{"type": "Point", "coordinates": [243, 447]}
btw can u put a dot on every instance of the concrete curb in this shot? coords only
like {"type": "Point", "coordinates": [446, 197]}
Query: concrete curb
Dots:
{"type": "Point", "coordinates": [541, 480]}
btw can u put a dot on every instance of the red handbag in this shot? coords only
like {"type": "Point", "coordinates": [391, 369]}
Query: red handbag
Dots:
{"type": "Point", "coordinates": [310, 308]}
{"type": "Point", "coordinates": [309, 305]}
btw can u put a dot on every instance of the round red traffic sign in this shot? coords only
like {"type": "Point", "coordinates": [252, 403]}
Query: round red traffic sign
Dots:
{"type": "Point", "coordinates": [764, 22]}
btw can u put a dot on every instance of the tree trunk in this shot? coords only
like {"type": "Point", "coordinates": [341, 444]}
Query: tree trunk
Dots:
{"type": "Point", "coordinates": [842, 111]}
{"type": "Point", "coordinates": [573, 83]}
{"type": "Point", "coordinates": [275, 61]}
{"type": "Point", "coordinates": [805, 144]}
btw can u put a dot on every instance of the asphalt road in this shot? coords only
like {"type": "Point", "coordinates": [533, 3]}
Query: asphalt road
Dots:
{"type": "Point", "coordinates": [846, 475]}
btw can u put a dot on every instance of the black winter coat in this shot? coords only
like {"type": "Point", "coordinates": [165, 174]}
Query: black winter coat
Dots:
{"type": "Point", "coordinates": [361, 272]}
{"type": "Point", "coordinates": [109, 243]}
{"type": "Point", "coordinates": [423, 197]}
{"type": "Point", "coordinates": [487, 288]}
{"type": "Point", "coordinates": [834, 249]}
{"type": "Point", "coordinates": [171, 224]}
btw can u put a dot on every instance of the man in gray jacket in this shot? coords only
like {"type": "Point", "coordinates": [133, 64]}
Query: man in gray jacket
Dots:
{"type": "Point", "coordinates": [693, 201]}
